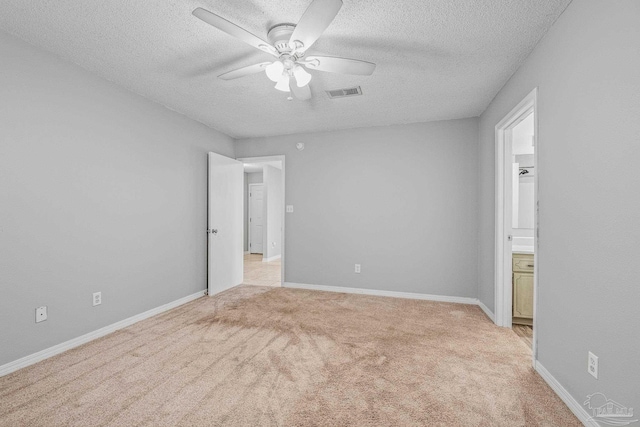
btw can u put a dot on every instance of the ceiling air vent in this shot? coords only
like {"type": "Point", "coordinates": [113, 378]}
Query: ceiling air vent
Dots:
{"type": "Point", "coordinates": [342, 93]}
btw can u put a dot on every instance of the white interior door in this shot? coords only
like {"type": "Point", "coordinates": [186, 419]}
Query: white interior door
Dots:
{"type": "Point", "coordinates": [256, 209]}
{"type": "Point", "coordinates": [225, 229]}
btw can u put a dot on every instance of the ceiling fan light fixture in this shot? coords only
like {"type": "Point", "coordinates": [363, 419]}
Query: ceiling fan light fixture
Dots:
{"type": "Point", "coordinates": [288, 43]}
{"type": "Point", "coordinates": [274, 71]}
{"type": "Point", "coordinates": [283, 83]}
{"type": "Point", "coordinates": [302, 77]}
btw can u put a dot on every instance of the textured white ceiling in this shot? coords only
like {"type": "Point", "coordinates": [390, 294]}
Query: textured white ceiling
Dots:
{"type": "Point", "coordinates": [437, 59]}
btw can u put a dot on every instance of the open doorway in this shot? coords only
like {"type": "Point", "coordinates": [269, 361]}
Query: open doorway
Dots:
{"type": "Point", "coordinates": [516, 220]}
{"type": "Point", "coordinates": [263, 221]}
{"type": "Point", "coordinates": [522, 227]}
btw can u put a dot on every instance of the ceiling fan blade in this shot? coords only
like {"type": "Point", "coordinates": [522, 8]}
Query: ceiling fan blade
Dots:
{"type": "Point", "coordinates": [314, 21]}
{"type": "Point", "coordinates": [302, 93]}
{"type": "Point", "coordinates": [233, 30]}
{"type": "Point", "coordinates": [244, 71]}
{"type": "Point", "coordinates": [333, 64]}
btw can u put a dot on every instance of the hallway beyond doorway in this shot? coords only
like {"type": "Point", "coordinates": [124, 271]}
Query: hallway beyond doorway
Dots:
{"type": "Point", "coordinates": [261, 273]}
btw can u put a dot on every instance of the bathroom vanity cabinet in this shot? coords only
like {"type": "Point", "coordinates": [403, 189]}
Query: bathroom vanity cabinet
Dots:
{"type": "Point", "coordinates": [523, 289]}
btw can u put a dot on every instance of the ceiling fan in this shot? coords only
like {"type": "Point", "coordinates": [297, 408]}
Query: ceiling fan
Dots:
{"type": "Point", "coordinates": [289, 43]}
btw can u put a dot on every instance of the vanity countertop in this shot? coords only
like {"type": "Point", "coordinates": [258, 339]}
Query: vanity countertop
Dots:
{"type": "Point", "coordinates": [522, 249]}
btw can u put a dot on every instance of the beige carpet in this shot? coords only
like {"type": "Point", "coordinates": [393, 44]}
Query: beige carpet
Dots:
{"type": "Point", "coordinates": [258, 356]}
{"type": "Point", "coordinates": [525, 333]}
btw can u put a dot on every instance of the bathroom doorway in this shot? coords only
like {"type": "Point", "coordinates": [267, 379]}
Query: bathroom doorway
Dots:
{"type": "Point", "coordinates": [517, 220]}
{"type": "Point", "coordinates": [522, 227]}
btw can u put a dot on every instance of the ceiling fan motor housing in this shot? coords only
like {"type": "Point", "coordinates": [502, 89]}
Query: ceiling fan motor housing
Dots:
{"type": "Point", "coordinates": [279, 36]}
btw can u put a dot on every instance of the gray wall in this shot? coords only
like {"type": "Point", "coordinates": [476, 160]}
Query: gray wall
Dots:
{"type": "Point", "coordinates": [100, 190]}
{"type": "Point", "coordinates": [586, 69]}
{"type": "Point", "coordinates": [400, 200]}
{"type": "Point", "coordinates": [249, 178]}
{"type": "Point", "coordinates": [273, 208]}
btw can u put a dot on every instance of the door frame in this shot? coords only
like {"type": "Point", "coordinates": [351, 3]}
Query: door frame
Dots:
{"type": "Point", "coordinates": [503, 264]}
{"type": "Point", "coordinates": [265, 159]}
{"type": "Point", "coordinates": [253, 184]}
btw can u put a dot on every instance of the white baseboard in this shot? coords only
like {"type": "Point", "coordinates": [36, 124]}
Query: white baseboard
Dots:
{"type": "Point", "coordinates": [578, 410]}
{"type": "Point", "coordinates": [486, 310]}
{"type": "Point", "coordinates": [83, 339]}
{"type": "Point", "coordinates": [247, 252]}
{"type": "Point", "coordinates": [393, 294]}
{"type": "Point", "coordinates": [273, 258]}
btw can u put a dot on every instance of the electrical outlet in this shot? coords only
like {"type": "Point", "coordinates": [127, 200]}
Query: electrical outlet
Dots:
{"type": "Point", "coordinates": [97, 298]}
{"type": "Point", "coordinates": [289, 208]}
{"type": "Point", "coordinates": [357, 268]}
{"type": "Point", "coordinates": [592, 366]}
{"type": "Point", "coordinates": [41, 314]}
